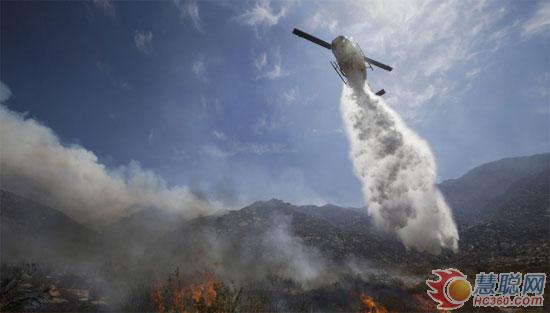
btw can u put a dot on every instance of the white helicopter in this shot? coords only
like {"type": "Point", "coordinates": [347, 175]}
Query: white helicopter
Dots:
{"type": "Point", "coordinates": [350, 62]}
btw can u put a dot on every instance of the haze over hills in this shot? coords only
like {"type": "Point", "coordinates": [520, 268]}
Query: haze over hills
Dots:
{"type": "Point", "coordinates": [504, 219]}
{"type": "Point", "coordinates": [507, 192]}
{"type": "Point", "coordinates": [502, 210]}
{"type": "Point", "coordinates": [513, 228]}
{"type": "Point", "coordinates": [472, 192]}
{"type": "Point", "coordinates": [33, 231]}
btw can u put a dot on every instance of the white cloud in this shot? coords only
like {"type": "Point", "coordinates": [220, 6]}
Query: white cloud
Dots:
{"type": "Point", "coordinates": [232, 146]}
{"type": "Point", "coordinates": [174, 155]}
{"type": "Point", "coordinates": [126, 86]}
{"type": "Point", "coordinates": [219, 135]}
{"type": "Point", "coordinates": [275, 72]}
{"type": "Point", "coordinates": [199, 69]}
{"type": "Point", "coordinates": [541, 89]}
{"type": "Point", "coordinates": [414, 99]}
{"type": "Point", "coordinates": [211, 105]}
{"type": "Point", "coordinates": [260, 61]}
{"type": "Point", "coordinates": [151, 136]}
{"type": "Point", "coordinates": [143, 41]}
{"type": "Point", "coordinates": [270, 68]}
{"type": "Point", "coordinates": [473, 73]}
{"type": "Point", "coordinates": [190, 9]}
{"type": "Point", "coordinates": [214, 151]}
{"type": "Point", "coordinates": [320, 20]}
{"type": "Point", "coordinates": [261, 125]}
{"type": "Point", "coordinates": [539, 23]}
{"type": "Point", "coordinates": [107, 7]}
{"type": "Point", "coordinates": [262, 14]}
{"type": "Point", "coordinates": [278, 118]}
{"type": "Point", "coordinates": [290, 95]}
{"type": "Point", "coordinates": [425, 41]}
{"type": "Point", "coordinates": [112, 76]}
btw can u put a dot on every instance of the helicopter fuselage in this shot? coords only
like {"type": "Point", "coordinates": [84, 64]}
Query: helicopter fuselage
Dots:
{"type": "Point", "coordinates": [350, 59]}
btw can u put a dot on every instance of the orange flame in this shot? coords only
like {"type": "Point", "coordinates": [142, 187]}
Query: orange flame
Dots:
{"type": "Point", "coordinates": [157, 298]}
{"type": "Point", "coordinates": [193, 297]}
{"type": "Point", "coordinates": [205, 291]}
{"type": "Point", "coordinates": [370, 305]}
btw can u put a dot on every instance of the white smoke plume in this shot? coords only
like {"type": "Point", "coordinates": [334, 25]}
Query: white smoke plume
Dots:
{"type": "Point", "coordinates": [398, 173]}
{"type": "Point", "coordinates": [295, 260]}
{"type": "Point", "coordinates": [34, 164]}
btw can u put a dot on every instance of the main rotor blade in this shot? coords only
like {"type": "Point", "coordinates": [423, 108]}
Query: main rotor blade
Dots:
{"type": "Point", "coordinates": [380, 65]}
{"type": "Point", "coordinates": [311, 38]}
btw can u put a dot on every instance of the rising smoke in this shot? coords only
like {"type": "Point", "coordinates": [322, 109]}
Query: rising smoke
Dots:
{"type": "Point", "coordinates": [36, 165]}
{"type": "Point", "coordinates": [398, 173]}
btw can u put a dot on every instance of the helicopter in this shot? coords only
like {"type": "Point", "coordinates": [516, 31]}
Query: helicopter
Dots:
{"type": "Point", "coordinates": [351, 63]}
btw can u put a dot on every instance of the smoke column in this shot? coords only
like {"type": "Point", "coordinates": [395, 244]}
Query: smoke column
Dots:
{"type": "Point", "coordinates": [398, 173]}
{"type": "Point", "coordinates": [35, 164]}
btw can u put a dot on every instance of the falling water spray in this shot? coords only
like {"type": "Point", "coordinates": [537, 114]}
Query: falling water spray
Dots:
{"type": "Point", "coordinates": [398, 173]}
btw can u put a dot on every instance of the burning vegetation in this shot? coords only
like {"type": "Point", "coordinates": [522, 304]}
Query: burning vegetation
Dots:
{"type": "Point", "coordinates": [370, 305]}
{"type": "Point", "coordinates": [204, 293]}
{"type": "Point", "coordinates": [267, 257]}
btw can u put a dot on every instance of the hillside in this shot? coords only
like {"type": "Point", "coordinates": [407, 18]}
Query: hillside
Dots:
{"type": "Point", "coordinates": [471, 193]}
{"type": "Point", "coordinates": [502, 216]}
{"type": "Point", "coordinates": [502, 210]}
{"type": "Point", "coordinates": [515, 228]}
{"type": "Point", "coordinates": [30, 230]}
{"type": "Point", "coordinates": [506, 198]}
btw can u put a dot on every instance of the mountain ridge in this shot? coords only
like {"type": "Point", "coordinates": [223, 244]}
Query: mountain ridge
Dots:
{"type": "Point", "coordinates": [333, 230]}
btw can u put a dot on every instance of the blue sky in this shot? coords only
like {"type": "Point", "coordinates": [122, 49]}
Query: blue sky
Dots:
{"type": "Point", "coordinates": [221, 97]}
